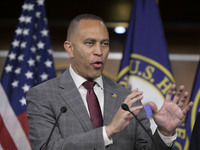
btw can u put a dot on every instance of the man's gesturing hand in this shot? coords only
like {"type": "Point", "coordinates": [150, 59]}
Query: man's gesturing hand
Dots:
{"type": "Point", "coordinates": [122, 118]}
{"type": "Point", "coordinates": [171, 113]}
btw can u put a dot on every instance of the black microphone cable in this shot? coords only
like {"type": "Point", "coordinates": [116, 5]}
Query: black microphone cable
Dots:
{"type": "Point", "coordinates": [126, 108]}
{"type": "Point", "coordinates": [62, 110]}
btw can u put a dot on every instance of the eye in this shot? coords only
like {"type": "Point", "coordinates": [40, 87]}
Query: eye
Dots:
{"type": "Point", "coordinates": [105, 44]}
{"type": "Point", "coordinates": [89, 43]}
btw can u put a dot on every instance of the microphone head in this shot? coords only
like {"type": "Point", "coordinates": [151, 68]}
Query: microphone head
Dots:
{"type": "Point", "coordinates": [125, 107]}
{"type": "Point", "coordinates": [63, 109]}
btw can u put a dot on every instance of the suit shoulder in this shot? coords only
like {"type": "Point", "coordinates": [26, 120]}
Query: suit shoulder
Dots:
{"type": "Point", "coordinates": [52, 83]}
{"type": "Point", "coordinates": [115, 85]}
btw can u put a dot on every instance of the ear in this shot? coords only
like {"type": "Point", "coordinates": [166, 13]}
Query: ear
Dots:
{"type": "Point", "coordinates": [69, 48]}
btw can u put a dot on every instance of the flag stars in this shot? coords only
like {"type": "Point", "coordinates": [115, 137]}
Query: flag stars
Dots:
{"type": "Point", "coordinates": [15, 83]}
{"type": "Point", "coordinates": [38, 14]}
{"type": "Point", "coordinates": [38, 57]}
{"type": "Point", "coordinates": [25, 19]}
{"type": "Point", "coordinates": [33, 49]}
{"type": "Point", "coordinates": [26, 88]}
{"type": "Point", "coordinates": [36, 25]}
{"type": "Point", "coordinates": [21, 18]}
{"type": "Point", "coordinates": [29, 75]}
{"type": "Point", "coordinates": [15, 43]}
{"type": "Point", "coordinates": [44, 32]}
{"type": "Point", "coordinates": [40, 45]}
{"type": "Point", "coordinates": [22, 101]}
{"type": "Point", "coordinates": [28, 7]}
{"type": "Point", "coordinates": [31, 62]}
{"type": "Point", "coordinates": [48, 63]}
{"type": "Point", "coordinates": [34, 37]}
{"type": "Point", "coordinates": [28, 19]}
{"type": "Point", "coordinates": [18, 31]}
{"type": "Point", "coordinates": [40, 2]}
{"type": "Point", "coordinates": [20, 57]}
{"type": "Point", "coordinates": [8, 68]}
{"type": "Point", "coordinates": [44, 76]}
{"type": "Point", "coordinates": [50, 51]}
{"type": "Point", "coordinates": [31, 44]}
{"type": "Point", "coordinates": [45, 20]}
{"type": "Point", "coordinates": [26, 32]}
{"type": "Point", "coordinates": [23, 45]}
{"type": "Point", "coordinates": [12, 56]}
{"type": "Point", "coordinates": [18, 70]}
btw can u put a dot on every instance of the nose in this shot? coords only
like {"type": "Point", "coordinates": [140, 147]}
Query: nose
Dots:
{"type": "Point", "coordinates": [98, 50]}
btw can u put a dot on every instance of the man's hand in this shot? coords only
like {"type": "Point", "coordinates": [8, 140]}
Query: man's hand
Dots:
{"type": "Point", "coordinates": [169, 117]}
{"type": "Point", "coordinates": [122, 118]}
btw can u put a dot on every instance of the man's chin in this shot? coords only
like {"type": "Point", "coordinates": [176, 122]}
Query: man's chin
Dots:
{"type": "Point", "coordinates": [94, 76]}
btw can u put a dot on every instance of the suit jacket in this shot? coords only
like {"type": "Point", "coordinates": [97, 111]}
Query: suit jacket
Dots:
{"type": "Point", "coordinates": [74, 130]}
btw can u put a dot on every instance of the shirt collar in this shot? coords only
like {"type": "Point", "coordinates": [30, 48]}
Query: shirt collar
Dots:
{"type": "Point", "coordinates": [79, 80]}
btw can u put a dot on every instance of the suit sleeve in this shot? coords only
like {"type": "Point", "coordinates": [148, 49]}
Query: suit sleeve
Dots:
{"type": "Point", "coordinates": [42, 117]}
{"type": "Point", "coordinates": [158, 143]}
{"type": "Point", "coordinates": [143, 141]}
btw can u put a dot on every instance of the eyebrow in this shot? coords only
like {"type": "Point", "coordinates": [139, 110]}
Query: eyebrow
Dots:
{"type": "Point", "coordinates": [93, 39]}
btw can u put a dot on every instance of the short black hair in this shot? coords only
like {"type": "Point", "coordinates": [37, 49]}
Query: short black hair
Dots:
{"type": "Point", "coordinates": [73, 24]}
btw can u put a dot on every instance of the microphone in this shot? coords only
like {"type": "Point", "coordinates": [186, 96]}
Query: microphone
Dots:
{"type": "Point", "coordinates": [126, 108]}
{"type": "Point", "coordinates": [63, 109]}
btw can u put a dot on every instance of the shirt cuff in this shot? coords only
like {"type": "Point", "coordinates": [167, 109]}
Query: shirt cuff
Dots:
{"type": "Point", "coordinates": [168, 140]}
{"type": "Point", "coordinates": [107, 141]}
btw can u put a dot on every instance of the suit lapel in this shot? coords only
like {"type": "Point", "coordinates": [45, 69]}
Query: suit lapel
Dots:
{"type": "Point", "coordinates": [72, 97]}
{"type": "Point", "coordinates": [111, 102]}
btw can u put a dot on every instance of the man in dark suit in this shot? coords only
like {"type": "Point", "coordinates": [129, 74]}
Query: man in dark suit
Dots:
{"type": "Point", "coordinates": [79, 128]}
{"type": "Point", "coordinates": [195, 138]}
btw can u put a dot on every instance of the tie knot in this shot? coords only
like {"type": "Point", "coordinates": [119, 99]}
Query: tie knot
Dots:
{"type": "Point", "coordinates": [89, 85]}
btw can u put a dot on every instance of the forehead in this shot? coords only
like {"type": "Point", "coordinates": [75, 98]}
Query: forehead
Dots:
{"type": "Point", "coordinates": [90, 22]}
{"type": "Point", "coordinates": [92, 27]}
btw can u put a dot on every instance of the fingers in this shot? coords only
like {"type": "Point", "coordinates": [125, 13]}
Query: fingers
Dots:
{"type": "Point", "coordinates": [178, 94]}
{"type": "Point", "coordinates": [133, 97]}
{"type": "Point", "coordinates": [153, 107]}
{"type": "Point", "coordinates": [181, 102]}
{"type": "Point", "coordinates": [187, 108]}
{"type": "Point", "coordinates": [136, 109]}
{"type": "Point", "coordinates": [179, 97]}
{"type": "Point", "coordinates": [170, 92]}
{"type": "Point", "coordinates": [121, 120]}
{"type": "Point", "coordinates": [128, 116]}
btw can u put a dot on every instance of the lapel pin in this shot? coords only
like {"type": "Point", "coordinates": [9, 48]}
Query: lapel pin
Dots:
{"type": "Point", "coordinates": [114, 95]}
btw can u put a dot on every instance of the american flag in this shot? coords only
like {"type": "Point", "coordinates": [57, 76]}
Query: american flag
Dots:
{"type": "Point", "coordinates": [29, 63]}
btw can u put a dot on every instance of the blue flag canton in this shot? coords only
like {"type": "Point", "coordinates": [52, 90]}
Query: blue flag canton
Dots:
{"type": "Point", "coordinates": [30, 60]}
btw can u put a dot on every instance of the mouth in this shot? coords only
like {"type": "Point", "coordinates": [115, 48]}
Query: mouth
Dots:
{"type": "Point", "coordinates": [98, 64]}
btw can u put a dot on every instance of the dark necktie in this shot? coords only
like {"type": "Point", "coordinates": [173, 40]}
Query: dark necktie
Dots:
{"type": "Point", "coordinates": [93, 105]}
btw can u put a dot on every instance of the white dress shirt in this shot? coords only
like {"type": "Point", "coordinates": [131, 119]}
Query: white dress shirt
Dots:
{"type": "Point", "coordinates": [98, 89]}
